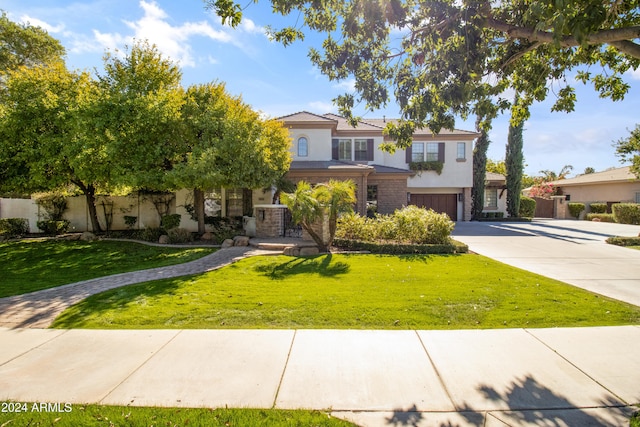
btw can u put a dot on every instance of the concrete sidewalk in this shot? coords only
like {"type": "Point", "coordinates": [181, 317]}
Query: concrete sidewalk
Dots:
{"type": "Point", "coordinates": [573, 252]}
{"type": "Point", "coordinates": [573, 377]}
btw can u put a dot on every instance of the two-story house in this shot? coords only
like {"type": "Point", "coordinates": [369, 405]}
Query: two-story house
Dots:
{"type": "Point", "coordinates": [435, 172]}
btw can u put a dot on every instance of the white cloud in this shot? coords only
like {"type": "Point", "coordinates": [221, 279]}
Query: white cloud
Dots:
{"type": "Point", "coordinates": [39, 23]}
{"type": "Point", "coordinates": [348, 85]}
{"type": "Point", "coordinates": [171, 40]}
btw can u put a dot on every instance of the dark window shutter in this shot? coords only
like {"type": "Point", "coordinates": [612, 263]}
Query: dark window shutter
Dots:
{"type": "Point", "coordinates": [370, 150]}
{"type": "Point", "coordinates": [334, 149]}
{"type": "Point", "coordinates": [408, 153]}
{"type": "Point", "coordinates": [441, 152]}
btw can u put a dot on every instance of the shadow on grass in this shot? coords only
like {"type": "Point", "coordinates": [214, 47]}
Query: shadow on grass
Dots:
{"type": "Point", "coordinates": [321, 264]}
{"type": "Point", "coordinates": [114, 299]}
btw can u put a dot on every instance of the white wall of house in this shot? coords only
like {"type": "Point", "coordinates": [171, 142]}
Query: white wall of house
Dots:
{"type": "Point", "coordinates": [318, 144]}
{"type": "Point", "coordinates": [456, 172]}
{"type": "Point", "coordinates": [606, 192]}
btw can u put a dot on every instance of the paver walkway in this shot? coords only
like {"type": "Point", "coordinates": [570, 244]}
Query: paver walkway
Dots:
{"type": "Point", "coordinates": [39, 309]}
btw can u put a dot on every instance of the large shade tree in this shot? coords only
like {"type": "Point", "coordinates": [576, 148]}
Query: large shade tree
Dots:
{"type": "Point", "coordinates": [442, 59]}
{"type": "Point", "coordinates": [44, 132]}
{"type": "Point", "coordinates": [225, 143]}
{"type": "Point", "coordinates": [628, 149]}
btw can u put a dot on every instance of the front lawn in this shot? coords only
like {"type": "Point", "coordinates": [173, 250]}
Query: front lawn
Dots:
{"type": "Point", "coordinates": [31, 414]}
{"type": "Point", "coordinates": [32, 265]}
{"type": "Point", "coordinates": [352, 291]}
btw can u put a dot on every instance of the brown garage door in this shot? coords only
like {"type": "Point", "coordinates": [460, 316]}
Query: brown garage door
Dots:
{"type": "Point", "coordinates": [441, 203]}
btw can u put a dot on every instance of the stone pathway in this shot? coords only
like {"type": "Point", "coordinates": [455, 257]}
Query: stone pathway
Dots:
{"type": "Point", "coordinates": [39, 309]}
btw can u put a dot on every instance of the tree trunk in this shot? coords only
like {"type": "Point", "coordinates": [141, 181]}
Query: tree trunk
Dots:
{"type": "Point", "coordinates": [90, 193]}
{"type": "Point", "coordinates": [322, 247]}
{"type": "Point", "coordinates": [198, 205]}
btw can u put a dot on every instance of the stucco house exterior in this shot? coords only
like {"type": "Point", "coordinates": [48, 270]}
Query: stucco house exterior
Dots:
{"type": "Point", "coordinates": [610, 186]}
{"type": "Point", "coordinates": [495, 194]}
{"type": "Point", "coordinates": [327, 146]}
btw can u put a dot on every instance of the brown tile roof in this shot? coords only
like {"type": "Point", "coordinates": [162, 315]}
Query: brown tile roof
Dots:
{"type": "Point", "coordinates": [612, 175]}
{"type": "Point", "coordinates": [381, 123]}
{"type": "Point", "coordinates": [305, 116]}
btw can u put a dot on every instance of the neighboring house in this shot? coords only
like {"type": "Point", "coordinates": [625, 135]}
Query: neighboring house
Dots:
{"type": "Point", "coordinates": [495, 194]}
{"type": "Point", "coordinates": [326, 146]}
{"type": "Point", "coordinates": [611, 186]}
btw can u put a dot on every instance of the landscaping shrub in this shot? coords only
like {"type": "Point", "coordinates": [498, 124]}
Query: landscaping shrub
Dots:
{"type": "Point", "coordinates": [624, 241]}
{"type": "Point", "coordinates": [54, 204]}
{"type": "Point", "coordinates": [52, 227]}
{"type": "Point", "coordinates": [604, 217]}
{"type": "Point", "coordinates": [151, 234]}
{"type": "Point", "coordinates": [407, 225]}
{"type": "Point", "coordinates": [130, 221]}
{"type": "Point", "coordinates": [179, 235]}
{"type": "Point", "coordinates": [598, 208]}
{"type": "Point", "coordinates": [626, 213]}
{"type": "Point", "coordinates": [575, 209]}
{"type": "Point", "coordinates": [170, 221]}
{"type": "Point", "coordinates": [451, 247]}
{"type": "Point", "coordinates": [527, 207]}
{"type": "Point", "coordinates": [14, 227]}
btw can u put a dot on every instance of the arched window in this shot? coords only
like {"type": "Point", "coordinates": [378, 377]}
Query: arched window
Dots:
{"type": "Point", "coordinates": [303, 147]}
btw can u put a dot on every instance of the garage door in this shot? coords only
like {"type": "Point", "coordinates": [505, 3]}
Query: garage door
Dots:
{"type": "Point", "coordinates": [441, 203]}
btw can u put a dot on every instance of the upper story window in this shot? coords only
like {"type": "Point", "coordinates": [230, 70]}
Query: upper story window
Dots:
{"type": "Point", "coordinates": [303, 147]}
{"type": "Point", "coordinates": [462, 151]}
{"type": "Point", "coordinates": [425, 152]}
{"type": "Point", "coordinates": [432, 152]}
{"type": "Point", "coordinates": [417, 152]}
{"type": "Point", "coordinates": [352, 149]}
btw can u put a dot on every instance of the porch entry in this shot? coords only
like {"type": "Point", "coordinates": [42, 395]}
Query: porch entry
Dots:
{"type": "Point", "coordinates": [441, 203]}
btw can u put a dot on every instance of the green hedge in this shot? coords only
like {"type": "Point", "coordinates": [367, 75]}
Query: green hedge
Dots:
{"type": "Point", "coordinates": [604, 217]}
{"type": "Point", "coordinates": [626, 213]}
{"type": "Point", "coordinates": [14, 227]}
{"type": "Point", "coordinates": [53, 227]}
{"type": "Point", "coordinates": [598, 208]}
{"type": "Point", "coordinates": [170, 221]}
{"type": "Point", "coordinates": [452, 247]}
{"type": "Point", "coordinates": [527, 207]}
{"type": "Point", "coordinates": [575, 209]}
{"type": "Point", "coordinates": [624, 241]}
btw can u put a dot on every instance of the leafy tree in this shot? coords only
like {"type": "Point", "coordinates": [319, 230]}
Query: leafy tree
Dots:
{"type": "Point", "coordinates": [25, 45]}
{"type": "Point", "coordinates": [227, 144]}
{"type": "Point", "coordinates": [442, 59]}
{"type": "Point", "coordinates": [588, 170]}
{"type": "Point", "coordinates": [628, 149]}
{"type": "Point", "coordinates": [309, 205]}
{"type": "Point", "coordinates": [497, 166]}
{"type": "Point", "coordinates": [138, 115]}
{"type": "Point", "coordinates": [514, 164]}
{"type": "Point", "coordinates": [43, 131]}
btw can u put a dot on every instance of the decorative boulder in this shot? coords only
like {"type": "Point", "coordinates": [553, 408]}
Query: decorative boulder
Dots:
{"type": "Point", "coordinates": [309, 251]}
{"type": "Point", "coordinates": [207, 237]}
{"type": "Point", "coordinates": [164, 239]}
{"type": "Point", "coordinates": [241, 241]}
{"type": "Point", "coordinates": [227, 243]}
{"type": "Point", "coordinates": [291, 251]}
{"type": "Point", "coordinates": [87, 236]}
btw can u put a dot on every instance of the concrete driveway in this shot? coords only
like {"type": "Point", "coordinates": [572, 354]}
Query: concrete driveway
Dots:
{"type": "Point", "coordinates": [574, 252]}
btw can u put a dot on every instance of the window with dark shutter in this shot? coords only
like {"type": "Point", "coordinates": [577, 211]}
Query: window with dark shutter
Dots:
{"type": "Point", "coordinates": [370, 150]}
{"type": "Point", "coordinates": [441, 152]}
{"type": "Point", "coordinates": [408, 154]}
{"type": "Point", "coordinates": [335, 146]}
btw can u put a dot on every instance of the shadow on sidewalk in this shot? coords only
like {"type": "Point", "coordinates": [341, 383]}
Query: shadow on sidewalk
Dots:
{"type": "Point", "coordinates": [524, 402]}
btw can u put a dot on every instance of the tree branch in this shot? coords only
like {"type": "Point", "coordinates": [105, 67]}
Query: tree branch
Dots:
{"type": "Point", "coordinates": [618, 37]}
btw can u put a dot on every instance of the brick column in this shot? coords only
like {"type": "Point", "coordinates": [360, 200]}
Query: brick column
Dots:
{"type": "Point", "coordinates": [269, 220]}
{"type": "Point", "coordinates": [466, 209]}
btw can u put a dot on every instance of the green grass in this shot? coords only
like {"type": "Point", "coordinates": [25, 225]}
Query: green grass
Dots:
{"type": "Point", "coordinates": [352, 291]}
{"type": "Point", "coordinates": [109, 416]}
{"type": "Point", "coordinates": [32, 265]}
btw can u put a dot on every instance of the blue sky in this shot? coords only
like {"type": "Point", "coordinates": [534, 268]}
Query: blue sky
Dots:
{"type": "Point", "coordinates": [279, 81]}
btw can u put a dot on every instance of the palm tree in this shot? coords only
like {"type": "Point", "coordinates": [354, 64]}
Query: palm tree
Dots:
{"type": "Point", "coordinates": [549, 175]}
{"type": "Point", "coordinates": [325, 201]}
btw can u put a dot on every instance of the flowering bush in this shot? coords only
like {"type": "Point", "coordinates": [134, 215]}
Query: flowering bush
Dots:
{"type": "Point", "coordinates": [543, 190]}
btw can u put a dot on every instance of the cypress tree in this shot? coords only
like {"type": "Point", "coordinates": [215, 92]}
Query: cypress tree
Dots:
{"type": "Point", "coordinates": [514, 161]}
{"type": "Point", "coordinates": [479, 173]}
